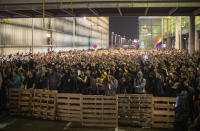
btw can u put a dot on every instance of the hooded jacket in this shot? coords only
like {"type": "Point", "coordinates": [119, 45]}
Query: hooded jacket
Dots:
{"type": "Point", "coordinates": [139, 84]}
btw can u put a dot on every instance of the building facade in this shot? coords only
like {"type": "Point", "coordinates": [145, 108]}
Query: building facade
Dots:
{"type": "Point", "coordinates": [26, 35]}
{"type": "Point", "coordinates": [173, 29]}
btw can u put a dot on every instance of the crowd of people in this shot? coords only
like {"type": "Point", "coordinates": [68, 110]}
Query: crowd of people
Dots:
{"type": "Point", "coordinates": [169, 73]}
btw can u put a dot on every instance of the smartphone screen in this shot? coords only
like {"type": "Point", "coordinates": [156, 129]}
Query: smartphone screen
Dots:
{"type": "Point", "coordinates": [176, 104]}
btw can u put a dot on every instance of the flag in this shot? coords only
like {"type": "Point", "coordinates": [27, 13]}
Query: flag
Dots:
{"type": "Point", "coordinates": [159, 42]}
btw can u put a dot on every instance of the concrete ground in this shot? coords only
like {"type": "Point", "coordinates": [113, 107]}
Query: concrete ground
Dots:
{"type": "Point", "coordinates": [23, 124]}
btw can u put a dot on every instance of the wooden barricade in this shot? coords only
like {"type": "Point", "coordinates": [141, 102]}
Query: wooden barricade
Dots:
{"type": "Point", "coordinates": [94, 110]}
{"type": "Point", "coordinates": [99, 111]}
{"type": "Point", "coordinates": [35, 103]}
{"type": "Point", "coordinates": [37, 97]}
{"type": "Point", "coordinates": [163, 112]}
{"type": "Point", "coordinates": [14, 101]}
{"type": "Point", "coordinates": [69, 107]}
{"type": "Point", "coordinates": [135, 109]}
{"type": "Point", "coordinates": [48, 104]}
{"type": "Point", "coordinates": [25, 102]}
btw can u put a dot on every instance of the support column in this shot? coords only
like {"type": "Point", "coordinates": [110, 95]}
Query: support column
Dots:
{"type": "Point", "coordinates": [169, 43]}
{"type": "Point", "coordinates": [90, 36]}
{"type": "Point", "coordinates": [192, 35]}
{"type": "Point", "coordinates": [74, 32]}
{"type": "Point", "coordinates": [177, 38]}
{"type": "Point", "coordinates": [180, 39]}
{"type": "Point", "coordinates": [32, 35]}
{"type": "Point", "coordinates": [162, 29]}
{"type": "Point", "coordinates": [115, 39]}
{"type": "Point", "coordinates": [196, 40]}
{"type": "Point", "coordinates": [112, 35]}
{"type": "Point", "coordinates": [101, 38]}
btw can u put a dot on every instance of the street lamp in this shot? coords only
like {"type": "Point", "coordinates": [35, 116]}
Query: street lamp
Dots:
{"type": "Point", "coordinates": [135, 41]}
{"type": "Point", "coordinates": [129, 41]}
{"type": "Point", "coordinates": [119, 39]}
{"type": "Point", "coordinates": [115, 39]}
{"type": "Point", "coordinates": [112, 39]}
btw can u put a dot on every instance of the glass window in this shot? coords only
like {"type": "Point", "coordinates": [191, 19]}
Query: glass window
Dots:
{"type": "Point", "coordinates": [156, 29]}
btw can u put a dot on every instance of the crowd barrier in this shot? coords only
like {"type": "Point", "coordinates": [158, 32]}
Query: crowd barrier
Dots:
{"type": "Point", "coordinates": [33, 103]}
{"type": "Point", "coordinates": [141, 110]}
{"type": "Point", "coordinates": [163, 112]}
{"type": "Point", "coordinates": [69, 107]}
{"type": "Point", "coordinates": [135, 109]}
{"type": "Point", "coordinates": [100, 111]}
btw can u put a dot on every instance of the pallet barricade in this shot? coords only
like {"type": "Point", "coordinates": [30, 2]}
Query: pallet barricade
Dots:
{"type": "Point", "coordinates": [69, 107]}
{"type": "Point", "coordinates": [48, 104]}
{"type": "Point", "coordinates": [14, 101]}
{"type": "Point", "coordinates": [35, 103]}
{"type": "Point", "coordinates": [163, 112]}
{"type": "Point", "coordinates": [141, 110]}
{"type": "Point", "coordinates": [25, 102]}
{"type": "Point", "coordinates": [37, 97]}
{"type": "Point", "coordinates": [135, 109]}
{"type": "Point", "coordinates": [99, 111]}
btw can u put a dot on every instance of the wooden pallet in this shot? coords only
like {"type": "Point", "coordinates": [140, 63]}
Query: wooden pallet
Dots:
{"type": "Point", "coordinates": [69, 107]}
{"type": "Point", "coordinates": [36, 104]}
{"type": "Point", "coordinates": [52, 103]}
{"type": "Point", "coordinates": [135, 109]}
{"type": "Point", "coordinates": [99, 111]}
{"type": "Point", "coordinates": [163, 112]}
{"type": "Point", "coordinates": [94, 110]}
{"type": "Point", "coordinates": [25, 102]}
{"type": "Point", "coordinates": [14, 95]}
{"type": "Point", "coordinates": [44, 104]}
{"type": "Point", "coordinates": [48, 104]}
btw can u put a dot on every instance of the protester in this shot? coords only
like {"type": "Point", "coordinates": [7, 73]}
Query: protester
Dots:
{"type": "Point", "coordinates": [16, 80]}
{"type": "Point", "coordinates": [139, 84]}
{"type": "Point", "coordinates": [163, 73]}
{"type": "Point", "coordinates": [1, 93]}
{"type": "Point", "coordinates": [53, 79]}
{"type": "Point", "coordinates": [196, 122]}
{"type": "Point", "coordinates": [73, 71]}
{"type": "Point", "coordinates": [111, 85]}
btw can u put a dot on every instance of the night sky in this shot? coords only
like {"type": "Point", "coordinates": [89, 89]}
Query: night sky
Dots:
{"type": "Point", "coordinates": [127, 26]}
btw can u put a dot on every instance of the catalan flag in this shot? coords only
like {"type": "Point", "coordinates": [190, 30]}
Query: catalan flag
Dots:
{"type": "Point", "coordinates": [159, 42]}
